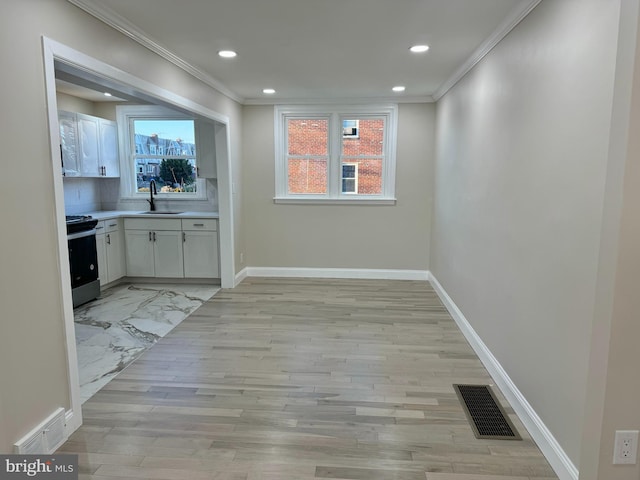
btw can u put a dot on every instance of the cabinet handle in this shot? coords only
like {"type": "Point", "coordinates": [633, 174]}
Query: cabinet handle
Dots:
{"type": "Point", "coordinates": [154, 236]}
{"type": "Point", "coordinates": [108, 239]}
{"type": "Point", "coordinates": [150, 237]}
{"type": "Point", "coordinates": [184, 237]}
{"type": "Point", "coordinates": [198, 224]}
{"type": "Point", "coordinates": [99, 228]}
{"type": "Point", "coordinates": [113, 224]}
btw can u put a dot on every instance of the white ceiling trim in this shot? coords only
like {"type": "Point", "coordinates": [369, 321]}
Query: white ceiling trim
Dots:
{"type": "Point", "coordinates": [121, 24]}
{"type": "Point", "coordinates": [514, 18]}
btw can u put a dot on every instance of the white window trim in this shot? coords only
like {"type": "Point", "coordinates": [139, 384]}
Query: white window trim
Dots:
{"type": "Point", "coordinates": [128, 174]}
{"type": "Point", "coordinates": [336, 114]}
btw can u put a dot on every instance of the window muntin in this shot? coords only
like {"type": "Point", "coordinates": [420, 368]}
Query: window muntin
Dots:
{"type": "Point", "coordinates": [312, 151]}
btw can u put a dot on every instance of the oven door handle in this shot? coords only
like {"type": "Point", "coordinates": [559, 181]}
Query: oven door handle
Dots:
{"type": "Point", "coordinates": [86, 233]}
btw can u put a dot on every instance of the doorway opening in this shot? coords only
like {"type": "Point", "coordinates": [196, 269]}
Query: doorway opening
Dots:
{"type": "Point", "coordinates": [64, 63]}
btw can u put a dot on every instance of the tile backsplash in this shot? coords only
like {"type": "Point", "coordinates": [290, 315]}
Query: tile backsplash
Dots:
{"type": "Point", "coordinates": [83, 195]}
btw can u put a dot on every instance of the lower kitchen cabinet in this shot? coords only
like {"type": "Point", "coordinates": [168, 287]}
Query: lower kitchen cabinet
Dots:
{"type": "Point", "coordinates": [172, 248]}
{"type": "Point", "coordinates": [167, 254]}
{"type": "Point", "coordinates": [200, 248]}
{"type": "Point", "coordinates": [109, 244]}
{"type": "Point", "coordinates": [154, 247]}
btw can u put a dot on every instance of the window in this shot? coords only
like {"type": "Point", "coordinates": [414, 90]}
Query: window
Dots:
{"type": "Point", "coordinates": [158, 145]}
{"type": "Point", "coordinates": [334, 155]}
{"type": "Point", "coordinates": [349, 178]}
{"type": "Point", "coordinates": [350, 128]}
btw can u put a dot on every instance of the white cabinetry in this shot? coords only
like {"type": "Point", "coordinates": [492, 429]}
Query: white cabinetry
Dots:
{"type": "Point", "coordinates": [172, 248]}
{"type": "Point", "coordinates": [211, 145]}
{"type": "Point", "coordinates": [88, 151]}
{"type": "Point", "coordinates": [69, 143]}
{"type": "Point", "coordinates": [89, 145]}
{"type": "Point", "coordinates": [200, 248]}
{"type": "Point", "coordinates": [154, 247]}
{"type": "Point", "coordinates": [108, 138]}
{"type": "Point", "coordinates": [109, 243]}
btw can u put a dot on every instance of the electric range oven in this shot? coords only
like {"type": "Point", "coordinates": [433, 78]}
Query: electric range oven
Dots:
{"type": "Point", "coordinates": [83, 258]}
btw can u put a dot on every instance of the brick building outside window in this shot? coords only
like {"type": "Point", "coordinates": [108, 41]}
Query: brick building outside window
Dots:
{"type": "Point", "coordinates": [335, 155]}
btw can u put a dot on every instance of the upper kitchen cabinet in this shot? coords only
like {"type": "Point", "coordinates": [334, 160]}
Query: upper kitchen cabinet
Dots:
{"type": "Point", "coordinates": [69, 143]}
{"type": "Point", "coordinates": [211, 143]}
{"type": "Point", "coordinates": [89, 145]}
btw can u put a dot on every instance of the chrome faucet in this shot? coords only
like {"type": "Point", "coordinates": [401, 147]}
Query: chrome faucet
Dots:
{"type": "Point", "coordinates": [152, 191]}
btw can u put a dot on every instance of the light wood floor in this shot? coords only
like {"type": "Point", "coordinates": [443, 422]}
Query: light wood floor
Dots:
{"type": "Point", "coordinates": [300, 379]}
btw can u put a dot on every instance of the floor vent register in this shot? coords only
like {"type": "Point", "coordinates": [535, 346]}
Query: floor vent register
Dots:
{"type": "Point", "coordinates": [484, 412]}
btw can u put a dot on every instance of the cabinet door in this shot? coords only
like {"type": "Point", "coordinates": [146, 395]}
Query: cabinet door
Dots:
{"type": "Point", "coordinates": [88, 145]}
{"type": "Point", "coordinates": [206, 149]}
{"type": "Point", "coordinates": [115, 255]}
{"type": "Point", "coordinates": [69, 143]}
{"type": "Point", "coordinates": [109, 148]}
{"type": "Point", "coordinates": [139, 252]}
{"type": "Point", "coordinates": [168, 254]}
{"type": "Point", "coordinates": [201, 254]}
{"type": "Point", "coordinates": [103, 268]}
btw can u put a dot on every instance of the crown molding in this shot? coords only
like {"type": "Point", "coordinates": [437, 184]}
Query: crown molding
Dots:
{"type": "Point", "coordinates": [509, 23]}
{"type": "Point", "coordinates": [127, 28]}
{"type": "Point", "coordinates": [339, 101]}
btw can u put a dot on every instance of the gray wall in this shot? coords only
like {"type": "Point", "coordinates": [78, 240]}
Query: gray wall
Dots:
{"type": "Point", "coordinates": [33, 370]}
{"type": "Point", "coordinates": [338, 236]}
{"type": "Point", "coordinates": [521, 157]}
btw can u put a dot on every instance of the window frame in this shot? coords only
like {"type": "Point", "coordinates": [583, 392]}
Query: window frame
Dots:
{"type": "Point", "coordinates": [126, 114]}
{"type": "Point", "coordinates": [336, 114]}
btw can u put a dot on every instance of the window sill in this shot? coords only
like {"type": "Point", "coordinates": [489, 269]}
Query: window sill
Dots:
{"type": "Point", "coordinates": [334, 201]}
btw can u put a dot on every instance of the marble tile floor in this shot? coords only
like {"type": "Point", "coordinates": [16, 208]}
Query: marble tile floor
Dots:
{"type": "Point", "coordinates": [115, 329]}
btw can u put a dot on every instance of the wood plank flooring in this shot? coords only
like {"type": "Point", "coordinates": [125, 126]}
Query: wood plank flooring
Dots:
{"type": "Point", "coordinates": [300, 379]}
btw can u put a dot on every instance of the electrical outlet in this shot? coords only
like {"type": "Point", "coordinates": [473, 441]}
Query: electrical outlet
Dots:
{"type": "Point", "coordinates": [625, 449]}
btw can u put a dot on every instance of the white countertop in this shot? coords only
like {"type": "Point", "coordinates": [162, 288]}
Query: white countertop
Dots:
{"type": "Point", "coordinates": [104, 215]}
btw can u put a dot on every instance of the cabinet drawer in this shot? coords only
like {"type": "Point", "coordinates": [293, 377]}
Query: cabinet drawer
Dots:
{"type": "Point", "coordinates": [152, 224]}
{"type": "Point", "coordinates": [100, 228]}
{"type": "Point", "coordinates": [112, 225]}
{"type": "Point", "coordinates": [207, 224]}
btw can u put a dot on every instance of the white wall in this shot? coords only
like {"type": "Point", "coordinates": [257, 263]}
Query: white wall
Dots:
{"type": "Point", "coordinates": [33, 365]}
{"type": "Point", "coordinates": [521, 157]}
{"type": "Point", "coordinates": [339, 236]}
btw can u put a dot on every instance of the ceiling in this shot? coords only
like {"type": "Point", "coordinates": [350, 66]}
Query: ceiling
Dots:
{"type": "Point", "coordinates": [85, 93]}
{"type": "Point", "coordinates": [318, 49]}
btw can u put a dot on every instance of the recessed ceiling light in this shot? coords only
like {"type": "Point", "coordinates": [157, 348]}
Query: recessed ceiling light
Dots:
{"type": "Point", "coordinates": [269, 91]}
{"type": "Point", "coordinates": [399, 88]}
{"type": "Point", "coordinates": [419, 48]}
{"type": "Point", "coordinates": [227, 53]}
{"type": "Point", "coordinates": [107, 94]}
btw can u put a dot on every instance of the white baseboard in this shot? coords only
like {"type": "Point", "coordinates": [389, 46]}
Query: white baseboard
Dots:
{"type": "Point", "coordinates": [353, 273]}
{"type": "Point", "coordinates": [240, 276]}
{"type": "Point", "coordinates": [551, 449]}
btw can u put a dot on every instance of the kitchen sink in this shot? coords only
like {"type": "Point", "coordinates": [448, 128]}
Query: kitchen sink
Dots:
{"type": "Point", "coordinates": [155, 212]}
